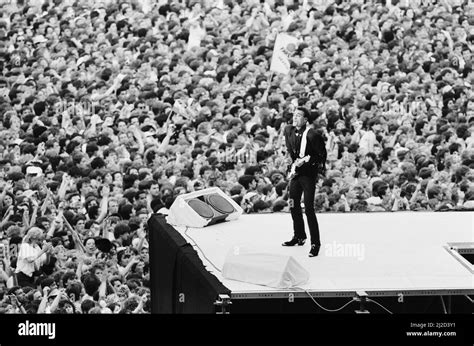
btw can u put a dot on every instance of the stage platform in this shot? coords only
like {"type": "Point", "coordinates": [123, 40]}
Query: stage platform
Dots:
{"type": "Point", "coordinates": [378, 254]}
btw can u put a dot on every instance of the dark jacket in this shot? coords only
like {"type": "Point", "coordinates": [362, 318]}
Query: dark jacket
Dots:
{"type": "Point", "coordinates": [315, 148]}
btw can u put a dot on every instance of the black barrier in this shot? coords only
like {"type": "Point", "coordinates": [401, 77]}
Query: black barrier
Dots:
{"type": "Point", "coordinates": [179, 280]}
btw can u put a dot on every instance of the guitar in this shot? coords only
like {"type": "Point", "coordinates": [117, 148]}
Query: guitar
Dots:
{"type": "Point", "coordinates": [295, 164]}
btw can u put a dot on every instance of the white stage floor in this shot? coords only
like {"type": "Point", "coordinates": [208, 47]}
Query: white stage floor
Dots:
{"type": "Point", "coordinates": [381, 253]}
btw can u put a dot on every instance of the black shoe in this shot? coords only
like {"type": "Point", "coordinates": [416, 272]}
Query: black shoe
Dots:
{"type": "Point", "coordinates": [294, 241]}
{"type": "Point", "coordinates": [314, 250]}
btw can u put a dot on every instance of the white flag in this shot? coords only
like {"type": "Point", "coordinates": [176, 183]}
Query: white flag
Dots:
{"type": "Point", "coordinates": [196, 34]}
{"type": "Point", "coordinates": [285, 45]}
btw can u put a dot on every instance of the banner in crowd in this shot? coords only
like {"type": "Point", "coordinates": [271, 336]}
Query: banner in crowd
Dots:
{"type": "Point", "coordinates": [285, 45]}
{"type": "Point", "coordinates": [196, 34]}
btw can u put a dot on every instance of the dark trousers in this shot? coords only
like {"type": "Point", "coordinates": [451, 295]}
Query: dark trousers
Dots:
{"type": "Point", "coordinates": [298, 185]}
{"type": "Point", "coordinates": [25, 280]}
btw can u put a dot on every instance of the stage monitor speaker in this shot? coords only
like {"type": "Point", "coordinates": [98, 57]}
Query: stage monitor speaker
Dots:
{"type": "Point", "coordinates": [203, 208]}
{"type": "Point", "coordinates": [273, 270]}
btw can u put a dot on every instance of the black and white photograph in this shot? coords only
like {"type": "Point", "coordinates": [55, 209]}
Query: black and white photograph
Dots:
{"type": "Point", "coordinates": [221, 158]}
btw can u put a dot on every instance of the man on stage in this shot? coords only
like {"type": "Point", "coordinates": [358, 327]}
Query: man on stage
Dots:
{"type": "Point", "coordinates": [307, 151]}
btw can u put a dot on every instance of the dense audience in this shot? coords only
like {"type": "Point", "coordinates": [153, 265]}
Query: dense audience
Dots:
{"type": "Point", "coordinates": [110, 110]}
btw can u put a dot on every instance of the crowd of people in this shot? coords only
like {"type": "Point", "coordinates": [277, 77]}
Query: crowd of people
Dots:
{"type": "Point", "coordinates": [109, 110]}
